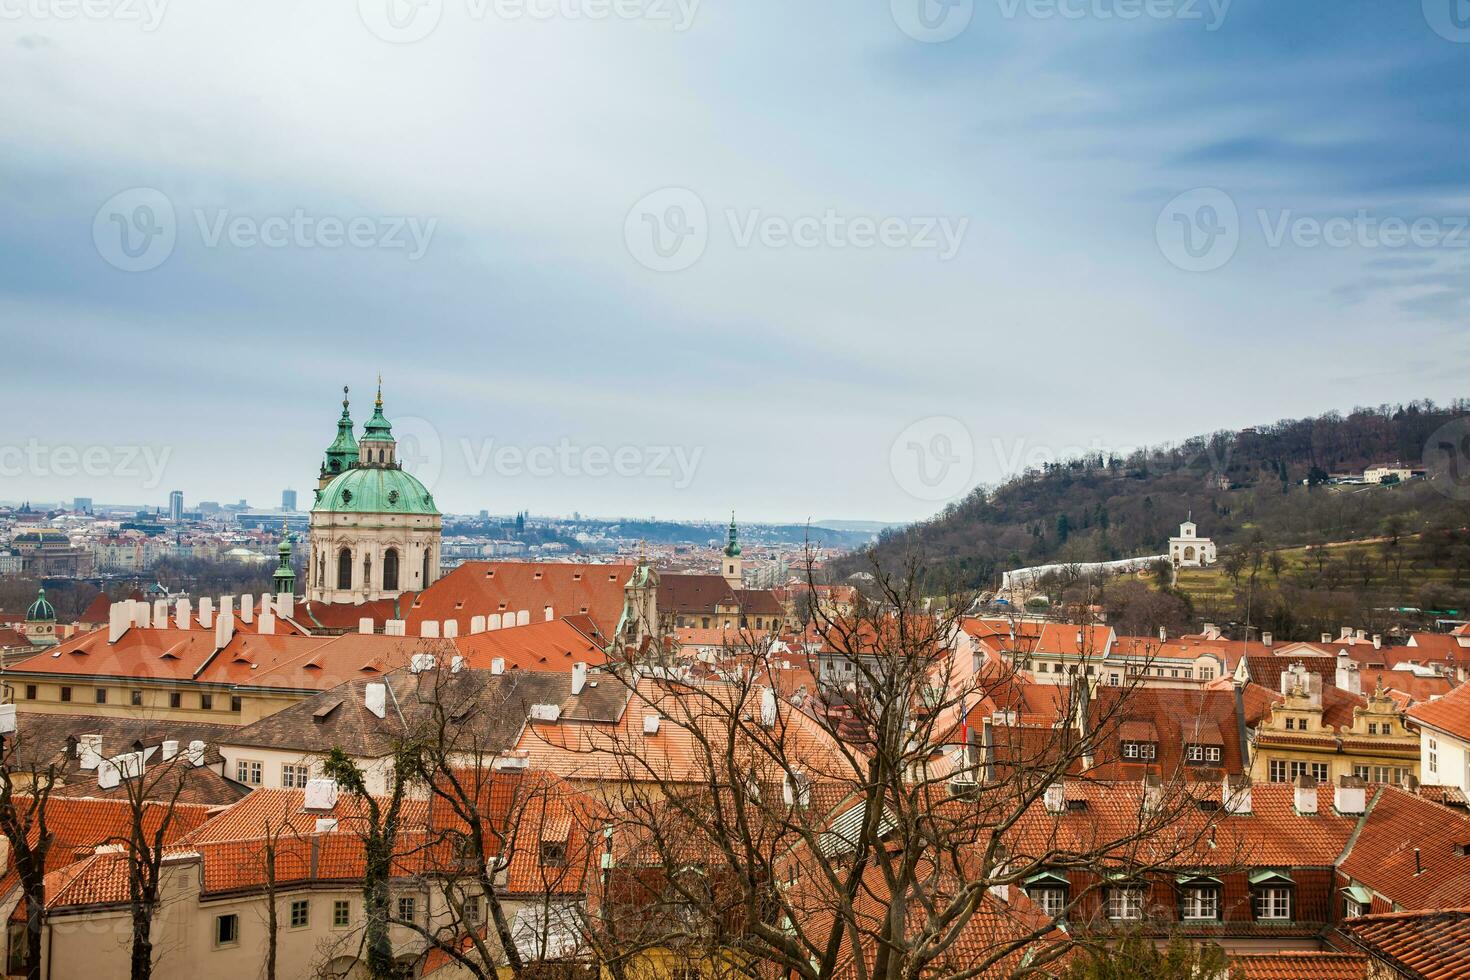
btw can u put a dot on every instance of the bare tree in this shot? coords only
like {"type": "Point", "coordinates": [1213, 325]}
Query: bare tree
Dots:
{"type": "Point", "coordinates": [25, 794]}
{"type": "Point", "coordinates": [152, 798]}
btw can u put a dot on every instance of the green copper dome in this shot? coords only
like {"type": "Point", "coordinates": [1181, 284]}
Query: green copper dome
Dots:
{"type": "Point", "coordinates": [377, 428]}
{"type": "Point", "coordinates": [41, 611]}
{"type": "Point", "coordinates": [375, 490]}
{"type": "Point", "coordinates": [342, 453]}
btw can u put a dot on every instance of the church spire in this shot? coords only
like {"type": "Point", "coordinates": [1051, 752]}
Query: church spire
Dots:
{"type": "Point", "coordinates": [284, 578]}
{"type": "Point", "coordinates": [732, 550]}
{"type": "Point", "coordinates": [342, 453]}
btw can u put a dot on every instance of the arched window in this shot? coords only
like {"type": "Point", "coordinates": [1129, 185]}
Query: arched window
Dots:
{"type": "Point", "coordinates": [344, 569]}
{"type": "Point", "coordinates": [390, 569]}
{"type": "Point", "coordinates": [426, 567]}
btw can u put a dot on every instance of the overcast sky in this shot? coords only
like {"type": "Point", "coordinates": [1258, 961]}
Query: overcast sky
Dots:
{"type": "Point", "coordinates": [820, 259]}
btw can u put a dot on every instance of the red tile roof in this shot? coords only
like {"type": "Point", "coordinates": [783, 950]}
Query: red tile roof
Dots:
{"type": "Point", "coordinates": [556, 645]}
{"type": "Point", "coordinates": [1450, 714]}
{"type": "Point", "coordinates": [1383, 856]}
{"type": "Point", "coordinates": [481, 588]}
{"type": "Point", "coordinates": [1301, 966]}
{"type": "Point", "coordinates": [1435, 945]}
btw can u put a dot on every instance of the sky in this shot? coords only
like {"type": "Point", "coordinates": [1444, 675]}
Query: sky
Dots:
{"type": "Point", "coordinates": [673, 258]}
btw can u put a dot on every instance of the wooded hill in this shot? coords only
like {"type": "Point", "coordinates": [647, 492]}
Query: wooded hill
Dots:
{"type": "Point", "coordinates": [1266, 484]}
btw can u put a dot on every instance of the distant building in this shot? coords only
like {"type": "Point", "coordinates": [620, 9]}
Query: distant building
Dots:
{"type": "Point", "coordinates": [1188, 550]}
{"type": "Point", "coordinates": [49, 553]}
{"type": "Point", "coordinates": [176, 505]}
{"type": "Point", "coordinates": [1388, 473]}
{"type": "Point", "coordinates": [288, 500]}
{"type": "Point", "coordinates": [82, 505]}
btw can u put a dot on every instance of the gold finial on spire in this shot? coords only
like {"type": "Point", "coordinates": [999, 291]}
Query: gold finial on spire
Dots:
{"type": "Point", "coordinates": [642, 551]}
{"type": "Point", "coordinates": [380, 389]}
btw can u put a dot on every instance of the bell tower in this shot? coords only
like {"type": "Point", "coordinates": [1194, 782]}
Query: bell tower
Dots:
{"type": "Point", "coordinates": [732, 568]}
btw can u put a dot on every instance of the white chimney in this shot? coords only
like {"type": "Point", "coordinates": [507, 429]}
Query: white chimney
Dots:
{"type": "Point", "coordinates": [451, 629]}
{"type": "Point", "coordinates": [477, 625]}
{"type": "Point", "coordinates": [375, 698]}
{"type": "Point", "coordinates": [107, 775]}
{"type": "Point", "coordinates": [247, 608]}
{"type": "Point", "coordinates": [1153, 794]}
{"type": "Point", "coordinates": [1306, 794]}
{"type": "Point", "coordinates": [579, 677]}
{"type": "Point", "coordinates": [129, 765]}
{"type": "Point", "coordinates": [196, 753]}
{"type": "Point", "coordinates": [650, 724]}
{"type": "Point", "coordinates": [523, 617]}
{"type": "Point", "coordinates": [206, 612]}
{"type": "Point", "coordinates": [141, 617]}
{"type": "Point", "coordinates": [224, 629]}
{"type": "Point", "coordinates": [1326, 637]}
{"type": "Point", "coordinates": [429, 629]}
{"type": "Point", "coordinates": [1266, 639]}
{"type": "Point", "coordinates": [1360, 634]}
{"type": "Point", "coordinates": [1235, 795]}
{"type": "Point", "coordinates": [365, 625]}
{"type": "Point", "coordinates": [1163, 634]}
{"type": "Point", "coordinates": [169, 749]}
{"type": "Point", "coordinates": [7, 719]}
{"type": "Point", "coordinates": [395, 627]}
{"type": "Point", "coordinates": [285, 605]}
{"type": "Point", "coordinates": [160, 613]}
{"type": "Point", "coordinates": [1352, 796]}
{"type": "Point", "coordinates": [183, 615]}
{"type": "Point", "coordinates": [119, 619]}
{"type": "Point", "coordinates": [549, 615]}
{"type": "Point", "coordinates": [456, 664]}
{"type": "Point", "coordinates": [321, 794]}
{"type": "Point", "coordinates": [267, 624]}
{"type": "Point", "coordinates": [1378, 641]}
{"type": "Point", "coordinates": [1348, 678]}
{"type": "Point", "coordinates": [768, 708]}
{"type": "Point", "coordinates": [1055, 797]}
{"type": "Point", "coordinates": [497, 665]}
{"type": "Point", "coordinates": [89, 751]}
{"type": "Point", "coordinates": [513, 759]}
{"type": "Point", "coordinates": [545, 712]}
{"type": "Point", "coordinates": [265, 604]}
{"type": "Point", "coordinates": [326, 825]}
{"type": "Point", "coordinates": [227, 605]}
{"type": "Point", "coordinates": [421, 662]}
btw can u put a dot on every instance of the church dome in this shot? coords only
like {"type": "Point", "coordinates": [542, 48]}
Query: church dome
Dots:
{"type": "Point", "coordinates": [41, 611]}
{"type": "Point", "coordinates": [375, 490]}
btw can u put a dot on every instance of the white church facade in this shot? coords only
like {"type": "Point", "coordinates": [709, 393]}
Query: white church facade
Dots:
{"type": "Point", "coordinates": [1188, 550]}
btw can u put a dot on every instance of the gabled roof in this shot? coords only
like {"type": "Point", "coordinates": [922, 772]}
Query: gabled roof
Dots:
{"type": "Point", "coordinates": [1449, 714]}
{"type": "Point", "coordinates": [484, 588]}
{"type": "Point", "coordinates": [1383, 856]}
{"type": "Point", "coordinates": [554, 646]}
{"type": "Point", "coordinates": [1432, 944]}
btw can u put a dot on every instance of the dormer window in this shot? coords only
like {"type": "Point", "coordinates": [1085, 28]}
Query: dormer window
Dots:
{"type": "Point", "coordinates": [1199, 899]}
{"type": "Point", "coordinates": [1125, 903]}
{"type": "Point", "coordinates": [1140, 751]}
{"type": "Point", "coordinates": [1202, 755]}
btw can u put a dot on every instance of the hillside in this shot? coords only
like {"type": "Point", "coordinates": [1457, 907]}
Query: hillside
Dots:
{"type": "Point", "coordinates": [1266, 485]}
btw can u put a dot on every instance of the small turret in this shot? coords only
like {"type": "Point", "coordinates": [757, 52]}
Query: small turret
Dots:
{"type": "Point", "coordinates": [284, 578]}
{"type": "Point", "coordinates": [378, 447]}
{"type": "Point", "coordinates": [342, 453]}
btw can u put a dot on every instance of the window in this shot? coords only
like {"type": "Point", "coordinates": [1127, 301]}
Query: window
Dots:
{"type": "Point", "coordinates": [1199, 755]}
{"type": "Point", "coordinates": [1319, 772]}
{"type": "Point", "coordinates": [295, 776]}
{"type": "Point", "coordinates": [1201, 902]}
{"type": "Point", "coordinates": [136, 698]}
{"type": "Point", "coordinates": [407, 908]}
{"type": "Point", "coordinates": [1278, 771]}
{"type": "Point", "coordinates": [1125, 903]}
{"type": "Point", "coordinates": [554, 853]}
{"type": "Point", "coordinates": [390, 569]}
{"type": "Point", "coordinates": [66, 694]}
{"type": "Point", "coordinates": [234, 702]}
{"type": "Point", "coordinates": [1362, 772]}
{"type": "Point", "coordinates": [248, 771]}
{"type": "Point", "coordinates": [1052, 901]}
{"type": "Point", "coordinates": [1433, 755]}
{"type": "Point", "coordinates": [226, 929]}
{"type": "Point", "coordinates": [1298, 769]}
{"type": "Point", "coordinates": [1353, 908]}
{"type": "Point", "coordinates": [30, 692]}
{"type": "Point", "coordinates": [1142, 751]}
{"type": "Point", "coordinates": [472, 910]}
{"type": "Point", "coordinates": [1273, 903]}
{"type": "Point", "coordinates": [1291, 724]}
{"type": "Point", "coordinates": [206, 701]}
{"type": "Point", "coordinates": [300, 913]}
{"type": "Point", "coordinates": [1207, 673]}
{"type": "Point", "coordinates": [175, 699]}
{"type": "Point", "coordinates": [1372, 728]}
{"type": "Point", "coordinates": [100, 695]}
{"type": "Point", "coordinates": [341, 914]}
{"type": "Point", "coordinates": [15, 961]}
{"type": "Point", "coordinates": [344, 569]}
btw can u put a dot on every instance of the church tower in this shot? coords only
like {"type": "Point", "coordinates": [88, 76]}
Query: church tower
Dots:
{"type": "Point", "coordinates": [342, 453]}
{"type": "Point", "coordinates": [375, 530]}
{"type": "Point", "coordinates": [733, 567]}
{"type": "Point", "coordinates": [284, 579]}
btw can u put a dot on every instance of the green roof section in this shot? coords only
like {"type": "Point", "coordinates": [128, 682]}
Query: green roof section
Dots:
{"type": "Point", "coordinates": [732, 550]}
{"type": "Point", "coordinates": [41, 611]}
{"type": "Point", "coordinates": [342, 453]}
{"type": "Point", "coordinates": [375, 490]}
{"type": "Point", "coordinates": [378, 429]}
